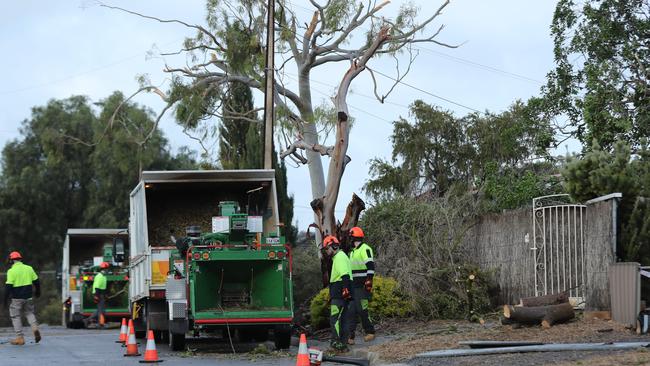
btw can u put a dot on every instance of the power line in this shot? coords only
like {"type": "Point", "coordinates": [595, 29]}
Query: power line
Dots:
{"type": "Point", "coordinates": [481, 66]}
{"type": "Point", "coordinates": [454, 58]}
{"type": "Point", "coordinates": [426, 92]}
{"type": "Point", "coordinates": [76, 75]}
{"type": "Point", "coordinates": [351, 107]}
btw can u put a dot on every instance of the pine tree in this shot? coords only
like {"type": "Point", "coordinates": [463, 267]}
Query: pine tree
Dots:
{"type": "Point", "coordinates": [241, 146]}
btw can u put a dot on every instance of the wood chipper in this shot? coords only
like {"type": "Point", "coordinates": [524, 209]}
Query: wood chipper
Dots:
{"type": "Point", "coordinates": [207, 257]}
{"type": "Point", "coordinates": [83, 251]}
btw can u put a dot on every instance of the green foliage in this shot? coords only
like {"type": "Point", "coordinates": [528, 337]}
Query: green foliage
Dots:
{"type": "Point", "coordinates": [241, 146]}
{"type": "Point", "coordinates": [306, 272]}
{"type": "Point", "coordinates": [421, 243]}
{"type": "Point", "coordinates": [387, 302]}
{"type": "Point", "coordinates": [54, 177]}
{"type": "Point", "coordinates": [51, 313]}
{"type": "Point", "coordinates": [319, 309]}
{"type": "Point", "coordinates": [510, 188]}
{"type": "Point", "coordinates": [439, 151]}
{"type": "Point", "coordinates": [600, 81]}
{"type": "Point", "coordinates": [599, 172]}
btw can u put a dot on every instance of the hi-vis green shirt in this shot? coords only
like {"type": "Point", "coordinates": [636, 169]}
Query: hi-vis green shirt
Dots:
{"type": "Point", "coordinates": [21, 276]}
{"type": "Point", "coordinates": [340, 267]}
{"type": "Point", "coordinates": [99, 283]}
{"type": "Point", "coordinates": [363, 264]}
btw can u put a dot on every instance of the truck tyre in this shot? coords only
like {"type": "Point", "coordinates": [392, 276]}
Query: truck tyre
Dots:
{"type": "Point", "coordinates": [261, 335]}
{"type": "Point", "coordinates": [282, 337]}
{"type": "Point", "coordinates": [77, 321]}
{"type": "Point", "coordinates": [176, 341]}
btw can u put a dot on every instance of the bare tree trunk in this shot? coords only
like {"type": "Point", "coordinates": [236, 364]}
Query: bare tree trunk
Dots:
{"type": "Point", "coordinates": [338, 157]}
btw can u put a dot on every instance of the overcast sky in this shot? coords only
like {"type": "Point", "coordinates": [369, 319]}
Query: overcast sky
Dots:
{"type": "Point", "coordinates": [56, 49]}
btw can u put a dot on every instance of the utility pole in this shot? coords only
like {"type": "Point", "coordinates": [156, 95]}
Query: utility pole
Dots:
{"type": "Point", "coordinates": [268, 92]}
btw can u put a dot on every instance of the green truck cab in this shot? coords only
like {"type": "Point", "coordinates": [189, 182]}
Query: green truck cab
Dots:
{"type": "Point", "coordinates": [220, 264]}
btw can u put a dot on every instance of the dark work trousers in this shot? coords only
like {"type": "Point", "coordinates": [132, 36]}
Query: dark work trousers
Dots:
{"type": "Point", "coordinates": [359, 309]}
{"type": "Point", "coordinates": [339, 320]}
{"type": "Point", "coordinates": [101, 307]}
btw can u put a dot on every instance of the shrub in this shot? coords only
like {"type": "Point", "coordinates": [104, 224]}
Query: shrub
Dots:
{"type": "Point", "coordinates": [306, 273]}
{"type": "Point", "coordinates": [51, 313]}
{"type": "Point", "coordinates": [387, 302]}
{"type": "Point", "coordinates": [422, 245]}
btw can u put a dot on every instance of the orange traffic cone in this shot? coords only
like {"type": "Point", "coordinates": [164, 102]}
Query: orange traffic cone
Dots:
{"type": "Point", "coordinates": [102, 320]}
{"type": "Point", "coordinates": [123, 332]}
{"type": "Point", "coordinates": [131, 344]}
{"type": "Point", "coordinates": [303, 353]}
{"type": "Point", "coordinates": [150, 353]}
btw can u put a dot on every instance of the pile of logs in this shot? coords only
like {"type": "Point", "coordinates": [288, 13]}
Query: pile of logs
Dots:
{"type": "Point", "coordinates": [545, 310]}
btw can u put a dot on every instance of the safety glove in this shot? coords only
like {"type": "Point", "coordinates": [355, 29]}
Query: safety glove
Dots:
{"type": "Point", "coordinates": [368, 284]}
{"type": "Point", "coordinates": [346, 294]}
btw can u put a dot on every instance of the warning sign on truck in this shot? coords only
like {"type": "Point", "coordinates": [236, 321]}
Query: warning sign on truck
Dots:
{"type": "Point", "coordinates": [159, 266]}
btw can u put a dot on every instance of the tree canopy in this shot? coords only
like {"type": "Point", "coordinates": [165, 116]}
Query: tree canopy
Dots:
{"type": "Point", "coordinates": [50, 183]}
{"type": "Point", "coordinates": [601, 81]}
{"type": "Point", "coordinates": [482, 152]}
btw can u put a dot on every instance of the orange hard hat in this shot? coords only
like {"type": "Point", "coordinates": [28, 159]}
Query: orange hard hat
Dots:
{"type": "Point", "coordinates": [15, 255]}
{"type": "Point", "coordinates": [356, 232]}
{"type": "Point", "coordinates": [103, 265]}
{"type": "Point", "coordinates": [330, 240]}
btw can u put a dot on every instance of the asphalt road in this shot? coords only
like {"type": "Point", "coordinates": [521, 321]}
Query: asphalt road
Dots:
{"type": "Point", "coordinates": [61, 346]}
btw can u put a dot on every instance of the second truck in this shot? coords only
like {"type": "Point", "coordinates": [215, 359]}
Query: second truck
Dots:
{"type": "Point", "coordinates": [207, 256]}
{"type": "Point", "coordinates": [83, 251]}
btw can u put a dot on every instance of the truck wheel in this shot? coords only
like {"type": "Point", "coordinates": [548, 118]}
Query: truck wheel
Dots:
{"type": "Point", "coordinates": [77, 321]}
{"type": "Point", "coordinates": [244, 335]}
{"type": "Point", "coordinates": [176, 341]}
{"type": "Point", "coordinates": [261, 335]}
{"type": "Point", "coordinates": [282, 337]}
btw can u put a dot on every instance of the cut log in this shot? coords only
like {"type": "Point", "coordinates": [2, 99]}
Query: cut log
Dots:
{"type": "Point", "coordinates": [552, 299]}
{"type": "Point", "coordinates": [546, 315]}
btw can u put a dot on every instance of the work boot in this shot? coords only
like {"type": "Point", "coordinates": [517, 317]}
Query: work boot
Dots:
{"type": "Point", "coordinates": [369, 337]}
{"type": "Point", "coordinates": [18, 341]}
{"type": "Point", "coordinates": [37, 335]}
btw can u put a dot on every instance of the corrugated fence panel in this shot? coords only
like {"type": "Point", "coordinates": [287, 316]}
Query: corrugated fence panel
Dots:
{"type": "Point", "coordinates": [625, 284]}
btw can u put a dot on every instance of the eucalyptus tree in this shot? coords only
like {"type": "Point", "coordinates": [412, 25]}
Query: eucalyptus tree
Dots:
{"type": "Point", "coordinates": [230, 47]}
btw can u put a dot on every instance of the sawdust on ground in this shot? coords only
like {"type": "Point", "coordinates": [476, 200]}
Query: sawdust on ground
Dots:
{"type": "Point", "coordinates": [409, 339]}
{"type": "Point", "coordinates": [637, 357]}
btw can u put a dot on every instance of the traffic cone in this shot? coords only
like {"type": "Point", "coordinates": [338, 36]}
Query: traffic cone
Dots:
{"type": "Point", "coordinates": [123, 332]}
{"type": "Point", "coordinates": [150, 353]}
{"type": "Point", "coordinates": [102, 320]}
{"type": "Point", "coordinates": [131, 344]}
{"type": "Point", "coordinates": [303, 352]}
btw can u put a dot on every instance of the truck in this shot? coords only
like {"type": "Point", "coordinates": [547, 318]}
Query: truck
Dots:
{"type": "Point", "coordinates": [207, 257]}
{"type": "Point", "coordinates": [83, 251]}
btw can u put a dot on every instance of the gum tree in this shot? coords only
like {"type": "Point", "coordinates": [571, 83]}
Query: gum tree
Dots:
{"type": "Point", "coordinates": [230, 47]}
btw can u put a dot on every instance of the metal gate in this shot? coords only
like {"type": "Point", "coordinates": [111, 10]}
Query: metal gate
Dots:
{"type": "Point", "coordinates": [558, 247]}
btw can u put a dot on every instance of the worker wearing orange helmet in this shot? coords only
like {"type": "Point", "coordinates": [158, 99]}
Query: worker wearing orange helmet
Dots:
{"type": "Point", "coordinates": [22, 283]}
{"type": "Point", "coordinates": [99, 295]}
{"type": "Point", "coordinates": [340, 292]}
{"type": "Point", "coordinates": [363, 271]}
